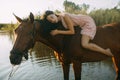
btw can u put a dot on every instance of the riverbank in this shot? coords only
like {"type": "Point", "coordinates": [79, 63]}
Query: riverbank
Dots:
{"type": "Point", "coordinates": [4, 31]}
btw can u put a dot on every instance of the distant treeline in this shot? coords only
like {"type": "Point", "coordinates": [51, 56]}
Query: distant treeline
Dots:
{"type": "Point", "coordinates": [7, 27]}
{"type": "Point", "coordinates": [101, 16]}
{"type": "Point", "coordinates": [106, 16]}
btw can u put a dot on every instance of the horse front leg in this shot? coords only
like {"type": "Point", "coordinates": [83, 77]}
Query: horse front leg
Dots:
{"type": "Point", "coordinates": [116, 62]}
{"type": "Point", "coordinates": [65, 64]}
{"type": "Point", "coordinates": [66, 68]}
{"type": "Point", "coordinates": [77, 66]}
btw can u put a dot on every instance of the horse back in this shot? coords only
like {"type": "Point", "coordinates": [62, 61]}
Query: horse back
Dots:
{"type": "Point", "coordinates": [107, 37]}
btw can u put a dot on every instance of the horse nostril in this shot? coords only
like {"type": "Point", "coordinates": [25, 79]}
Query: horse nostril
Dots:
{"type": "Point", "coordinates": [26, 56]}
{"type": "Point", "coordinates": [15, 57]}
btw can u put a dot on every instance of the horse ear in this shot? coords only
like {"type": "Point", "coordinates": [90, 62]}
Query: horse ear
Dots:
{"type": "Point", "coordinates": [19, 19]}
{"type": "Point", "coordinates": [31, 17]}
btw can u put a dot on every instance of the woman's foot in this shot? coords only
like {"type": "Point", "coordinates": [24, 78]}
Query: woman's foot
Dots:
{"type": "Point", "coordinates": [108, 52]}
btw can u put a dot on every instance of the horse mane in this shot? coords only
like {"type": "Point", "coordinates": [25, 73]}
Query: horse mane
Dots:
{"type": "Point", "coordinates": [44, 31]}
{"type": "Point", "coordinates": [47, 27]}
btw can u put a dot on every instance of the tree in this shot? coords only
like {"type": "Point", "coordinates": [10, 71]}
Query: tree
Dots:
{"type": "Point", "coordinates": [105, 16]}
{"type": "Point", "coordinates": [71, 7]}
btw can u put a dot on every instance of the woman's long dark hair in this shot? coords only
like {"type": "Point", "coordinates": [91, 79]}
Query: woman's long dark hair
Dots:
{"type": "Point", "coordinates": [47, 13]}
{"type": "Point", "coordinates": [46, 25]}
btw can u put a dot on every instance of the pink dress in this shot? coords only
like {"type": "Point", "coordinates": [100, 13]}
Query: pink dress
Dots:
{"type": "Point", "coordinates": [86, 23]}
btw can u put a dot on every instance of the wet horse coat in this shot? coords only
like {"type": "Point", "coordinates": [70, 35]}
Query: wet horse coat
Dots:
{"type": "Point", "coordinates": [68, 48]}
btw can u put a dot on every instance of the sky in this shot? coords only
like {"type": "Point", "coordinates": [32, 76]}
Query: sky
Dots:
{"type": "Point", "coordinates": [22, 8]}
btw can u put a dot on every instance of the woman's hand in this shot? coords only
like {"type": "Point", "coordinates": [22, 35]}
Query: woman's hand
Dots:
{"type": "Point", "coordinates": [54, 32]}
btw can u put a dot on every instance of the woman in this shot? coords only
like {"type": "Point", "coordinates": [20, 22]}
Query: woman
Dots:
{"type": "Point", "coordinates": [86, 23]}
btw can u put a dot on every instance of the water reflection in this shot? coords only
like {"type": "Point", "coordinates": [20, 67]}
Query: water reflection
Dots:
{"type": "Point", "coordinates": [42, 64]}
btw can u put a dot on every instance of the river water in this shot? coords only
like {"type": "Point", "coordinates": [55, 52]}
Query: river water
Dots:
{"type": "Point", "coordinates": [42, 65]}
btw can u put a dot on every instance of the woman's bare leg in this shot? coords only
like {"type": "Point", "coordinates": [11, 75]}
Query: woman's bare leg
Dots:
{"type": "Point", "coordinates": [85, 43]}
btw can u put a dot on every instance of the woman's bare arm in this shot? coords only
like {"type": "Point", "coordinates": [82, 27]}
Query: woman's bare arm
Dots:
{"type": "Point", "coordinates": [69, 24]}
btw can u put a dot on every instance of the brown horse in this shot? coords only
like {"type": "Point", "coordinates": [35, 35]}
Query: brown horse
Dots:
{"type": "Point", "coordinates": [68, 48]}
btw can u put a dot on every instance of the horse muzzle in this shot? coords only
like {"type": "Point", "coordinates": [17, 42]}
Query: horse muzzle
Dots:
{"type": "Point", "coordinates": [16, 56]}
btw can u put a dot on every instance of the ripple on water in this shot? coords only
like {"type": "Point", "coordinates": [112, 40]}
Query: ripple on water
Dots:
{"type": "Point", "coordinates": [38, 70]}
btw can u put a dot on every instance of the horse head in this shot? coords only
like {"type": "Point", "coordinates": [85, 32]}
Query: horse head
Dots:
{"type": "Point", "coordinates": [28, 32]}
{"type": "Point", "coordinates": [25, 39]}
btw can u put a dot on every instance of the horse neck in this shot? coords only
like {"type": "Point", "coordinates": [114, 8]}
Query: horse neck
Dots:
{"type": "Point", "coordinates": [54, 42]}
